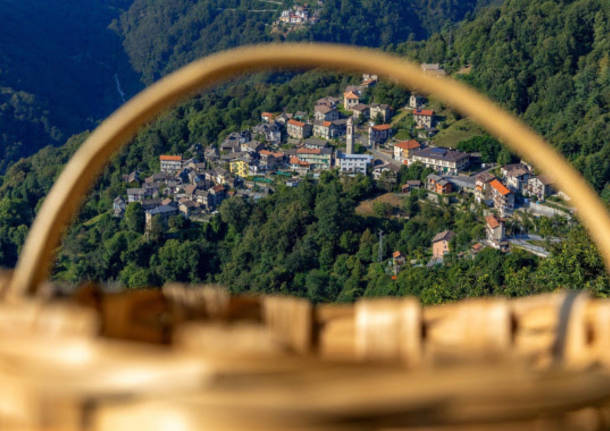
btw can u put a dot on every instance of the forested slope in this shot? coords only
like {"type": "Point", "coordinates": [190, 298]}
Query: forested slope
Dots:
{"type": "Point", "coordinates": [58, 62]}
{"type": "Point", "coordinates": [162, 35]}
{"type": "Point", "coordinates": [547, 61]}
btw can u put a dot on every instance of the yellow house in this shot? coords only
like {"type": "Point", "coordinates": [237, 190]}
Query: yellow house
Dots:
{"type": "Point", "coordinates": [239, 168]}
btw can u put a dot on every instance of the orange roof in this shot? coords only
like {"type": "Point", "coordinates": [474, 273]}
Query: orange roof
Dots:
{"type": "Point", "coordinates": [492, 221]}
{"type": "Point", "coordinates": [351, 95]}
{"type": "Point", "coordinates": [171, 158]}
{"type": "Point", "coordinates": [326, 124]}
{"type": "Point", "coordinates": [296, 161]}
{"type": "Point", "coordinates": [271, 153]}
{"type": "Point", "coordinates": [397, 253]}
{"type": "Point", "coordinates": [500, 188]}
{"type": "Point", "coordinates": [296, 123]}
{"type": "Point", "coordinates": [308, 151]}
{"type": "Point", "coordinates": [427, 112]}
{"type": "Point", "coordinates": [408, 145]}
{"type": "Point", "coordinates": [267, 114]}
{"type": "Point", "coordinates": [381, 127]}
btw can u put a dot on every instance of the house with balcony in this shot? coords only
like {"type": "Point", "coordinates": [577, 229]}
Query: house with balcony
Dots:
{"type": "Point", "coordinates": [317, 158]}
{"type": "Point", "coordinates": [442, 160]}
{"type": "Point", "coordinates": [439, 185]}
{"type": "Point", "coordinates": [402, 150]}
{"type": "Point", "coordinates": [482, 188]}
{"type": "Point", "coordinates": [540, 187]}
{"type": "Point", "coordinates": [424, 119]}
{"type": "Point", "coordinates": [494, 230]}
{"type": "Point", "coordinates": [170, 164]}
{"type": "Point", "coordinates": [353, 163]}
{"type": "Point", "coordinates": [503, 198]}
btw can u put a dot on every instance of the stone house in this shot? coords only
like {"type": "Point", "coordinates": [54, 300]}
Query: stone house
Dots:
{"type": "Point", "coordinates": [441, 244]}
{"type": "Point", "coordinates": [325, 113]}
{"type": "Point", "coordinates": [379, 134]}
{"type": "Point", "coordinates": [325, 129]}
{"type": "Point", "coordinates": [424, 118]}
{"type": "Point", "coordinates": [382, 110]}
{"type": "Point", "coordinates": [298, 129]}
{"type": "Point", "coordinates": [164, 212]}
{"type": "Point", "coordinates": [495, 232]}
{"type": "Point", "coordinates": [360, 111]}
{"type": "Point", "coordinates": [350, 99]}
{"type": "Point", "coordinates": [516, 176]}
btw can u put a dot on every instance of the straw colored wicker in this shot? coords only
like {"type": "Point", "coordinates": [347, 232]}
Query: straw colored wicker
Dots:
{"type": "Point", "coordinates": [195, 357]}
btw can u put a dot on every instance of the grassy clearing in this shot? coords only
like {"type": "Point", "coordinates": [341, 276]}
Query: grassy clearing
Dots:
{"type": "Point", "coordinates": [456, 132]}
{"type": "Point", "coordinates": [365, 208]}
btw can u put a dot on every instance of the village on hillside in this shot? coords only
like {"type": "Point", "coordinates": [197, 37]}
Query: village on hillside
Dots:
{"type": "Point", "coordinates": [297, 17]}
{"type": "Point", "coordinates": [344, 133]}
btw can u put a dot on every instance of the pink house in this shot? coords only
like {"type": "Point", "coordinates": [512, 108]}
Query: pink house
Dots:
{"type": "Point", "coordinates": [440, 244]}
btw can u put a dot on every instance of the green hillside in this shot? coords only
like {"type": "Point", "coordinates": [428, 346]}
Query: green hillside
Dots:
{"type": "Point", "coordinates": [547, 62]}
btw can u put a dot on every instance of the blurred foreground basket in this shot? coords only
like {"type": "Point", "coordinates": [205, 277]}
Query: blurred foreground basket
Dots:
{"type": "Point", "coordinates": [194, 357]}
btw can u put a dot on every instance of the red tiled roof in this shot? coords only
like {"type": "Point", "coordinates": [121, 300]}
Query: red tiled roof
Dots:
{"type": "Point", "coordinates": [477, 247]}
{"type": "Point", "coordinates": [308, 151]}
{"type": "Point", "coordinates": [427, 112]}
{"type": "Point", "coordinates": [296, 161]}
{"type": "Point", "coordinates": [501, 188]}
{"type": "Point", "coordinates": [397, 253]}
{"type": "Point", "coordinates": [492, 222]}
{"type": "Point", "coordinates": [267, 114]}
{"type": "Point", "coordinates": [408, 145]}
{"type": "Point", "coordinates": [381, 127]}
{"type": "Point", "coordinates": [170, 158]}
{"type": "Point", "coordinates": [326, 123]}
{"type": "Point", "coordinates": [296, 123]}
{"type": "Point", "coordinates": [351, 95]}
{"type": "Point", "coordinates": [271, 153]}
{"type": "Point", "coordinates": [219, 188]}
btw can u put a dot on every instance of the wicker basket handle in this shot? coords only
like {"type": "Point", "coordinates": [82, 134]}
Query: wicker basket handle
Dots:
{"type": "Point", "coordinates": [65, 197]}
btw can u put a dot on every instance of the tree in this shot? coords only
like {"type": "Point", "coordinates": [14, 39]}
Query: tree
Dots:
{"type": "Point", "coordinates": [134, 217]}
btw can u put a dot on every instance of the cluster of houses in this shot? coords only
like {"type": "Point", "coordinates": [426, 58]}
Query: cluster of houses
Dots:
{"type": "Point", "coordinates": [181, 186]}
{"type": "Point", "coordinates": [299, 15]}
{"type": "Point", "coordinates": [441, 244]}
{"type": "Point", "coordinates": [516, 179]}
